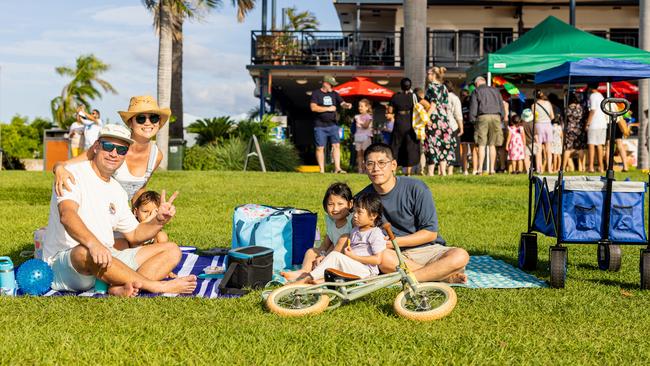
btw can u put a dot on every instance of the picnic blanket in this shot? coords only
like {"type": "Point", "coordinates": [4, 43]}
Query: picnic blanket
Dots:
{"type": "Point", "coordinates": [189, 264]}
{"type": "Point", "coordinates": [484, 272]}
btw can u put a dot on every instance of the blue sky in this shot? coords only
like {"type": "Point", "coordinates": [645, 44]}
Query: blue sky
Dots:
{"type": "Point", "coordinates": [37, 36]}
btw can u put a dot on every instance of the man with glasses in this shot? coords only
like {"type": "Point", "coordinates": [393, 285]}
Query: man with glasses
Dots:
{"type": "Point", "coordinates": [79, 239]}
{"type": "Point", "coordinates": [409, 207]}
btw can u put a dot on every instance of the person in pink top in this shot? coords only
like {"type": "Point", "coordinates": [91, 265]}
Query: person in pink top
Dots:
{"type": "Point", "coordinates": [363, 135]}
{"type": "Point", "coordinates": [515, 145]}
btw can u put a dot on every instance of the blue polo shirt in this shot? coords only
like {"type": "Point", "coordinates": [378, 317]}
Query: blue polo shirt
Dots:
{"type": "Point", "coordinates": [409, 207]}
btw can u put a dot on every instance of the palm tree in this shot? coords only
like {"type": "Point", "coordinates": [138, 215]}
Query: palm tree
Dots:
{"type": "Point", "coordinates": [176, 12]}
{"type": "Point", "coordinates": [300, 21]}
{"type": "Point", "coordinates": [212, 130]}
{"type": "Point", "coordinates": [81, 90]}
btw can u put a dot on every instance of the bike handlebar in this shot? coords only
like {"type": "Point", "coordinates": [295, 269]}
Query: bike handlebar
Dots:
{"type": "Point", "coordinates": [389, 231]}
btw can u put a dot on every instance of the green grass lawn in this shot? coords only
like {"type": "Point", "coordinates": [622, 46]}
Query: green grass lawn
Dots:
{"type": "Point", "coordinates": [600, 318]}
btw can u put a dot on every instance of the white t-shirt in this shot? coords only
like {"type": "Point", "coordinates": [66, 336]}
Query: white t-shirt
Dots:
{"type": "Point", "coordinates": [599, 120]}
{"type": "Point", "coordinates": [103, 208]}
{"type": "Point", "coordinates": [91, 132]}
{"type": "Point", "coordinates": [76, 132]}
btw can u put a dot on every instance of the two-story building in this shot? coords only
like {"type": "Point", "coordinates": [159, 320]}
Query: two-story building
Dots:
{"type": "Point", "coordinates": [369, 43]}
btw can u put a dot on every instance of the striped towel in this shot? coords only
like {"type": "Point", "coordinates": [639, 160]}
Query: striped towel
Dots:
{"type": "Point", "coordinates": [189, 264]}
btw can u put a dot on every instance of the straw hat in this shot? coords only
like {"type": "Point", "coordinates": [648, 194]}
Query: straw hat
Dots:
{"type": "Point", "coordinates": [145, 104]}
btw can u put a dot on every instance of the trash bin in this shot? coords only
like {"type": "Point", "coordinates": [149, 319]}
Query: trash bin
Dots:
{"type": "Point", "coordinates": [176, 153]}
{"type": "Point", "coordinates": [56, 147]}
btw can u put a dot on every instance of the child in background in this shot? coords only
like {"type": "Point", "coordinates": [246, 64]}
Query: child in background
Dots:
{"type": "Point", "coordinates": [419, 93]}
{"type": "Point", "coordinates": [363, 254]}
{"type": "Point", "coordinates": [515, 145]}
{"type": "Point", "coordinates": [76, 135]}
{"type": "Point", "coordinates": [556, 145]}
{"type": "Point", "coordinates": [337, 203]}
{"type": "Point", "coordinates": [145, 208]}
{"type": "Point", "coordinates": [387, 130]}
{"type": "Point", "coordinates": [363, 134]}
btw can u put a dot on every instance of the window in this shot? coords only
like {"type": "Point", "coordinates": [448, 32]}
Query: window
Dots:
{"type": "Point", "coordinates": [599, 33]}
{"type": "Point", "coordinates": [495, 38]}
{"type": "Point", "coordinates": [443, 46]}
{"type": "Point", "coordinates": [469, 44]}
{"type": "Point", "coordinates": [628, 36]}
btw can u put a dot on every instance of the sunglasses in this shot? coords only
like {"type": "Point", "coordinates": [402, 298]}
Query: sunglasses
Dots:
{"type": "Point", "coordinates": [109, 146]}
{"type": "Point", "coordinates": [142, 118]}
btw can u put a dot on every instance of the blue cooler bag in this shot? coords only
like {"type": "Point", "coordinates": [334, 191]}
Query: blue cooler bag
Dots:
{"type": "Point", "coordinates": [288, 231]}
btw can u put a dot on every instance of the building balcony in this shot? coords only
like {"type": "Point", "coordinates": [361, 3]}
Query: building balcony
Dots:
{"type": "Point", "coordinates": [456, 49]}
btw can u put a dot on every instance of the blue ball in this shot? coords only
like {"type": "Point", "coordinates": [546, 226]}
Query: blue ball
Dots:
{"type": "Point", "coordinates": [34, 277]}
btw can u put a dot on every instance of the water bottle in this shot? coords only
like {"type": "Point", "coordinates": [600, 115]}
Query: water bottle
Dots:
{"type": "Point", "coordinates": [7, 278]}
{"type": "Point", "coordinates": [317, 239]}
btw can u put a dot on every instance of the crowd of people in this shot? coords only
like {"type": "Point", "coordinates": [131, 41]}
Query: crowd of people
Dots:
{"type": "Point", "coordinates": [479, 124]}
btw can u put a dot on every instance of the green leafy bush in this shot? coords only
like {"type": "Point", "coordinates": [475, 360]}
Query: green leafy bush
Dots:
{"type": "Point", "coordinates": [22, 140]}
{"type": "Point", "coordinates": [230, 155]}
{"type": "Point", "coordinates": [212, 130]}
{"type": "Point", "coordinates": [262, 129]}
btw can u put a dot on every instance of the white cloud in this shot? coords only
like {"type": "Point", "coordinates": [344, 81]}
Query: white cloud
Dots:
{"type": "Point", "coordinates": [125, 15]}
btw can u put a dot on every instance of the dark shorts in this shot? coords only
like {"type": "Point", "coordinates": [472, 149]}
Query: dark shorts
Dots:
{"type": "Point", "coordinates": [323, 134]}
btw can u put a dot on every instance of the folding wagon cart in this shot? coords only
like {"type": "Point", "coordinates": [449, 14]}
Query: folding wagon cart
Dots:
{"type": "Point", "coordinates": [585, 209]}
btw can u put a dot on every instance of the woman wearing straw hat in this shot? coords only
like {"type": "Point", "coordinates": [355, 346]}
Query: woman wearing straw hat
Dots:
{"type": "Point", "coordinates": [145, 118]}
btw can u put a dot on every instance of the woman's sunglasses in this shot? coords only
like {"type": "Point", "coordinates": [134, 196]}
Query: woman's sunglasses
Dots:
{"type": "Point", "coordinates": [109, 146]}
{"type": "Point", "coordinates": [141, 118]}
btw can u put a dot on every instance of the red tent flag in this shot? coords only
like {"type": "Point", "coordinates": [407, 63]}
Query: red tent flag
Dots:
{"type": "Point", "coordinates": [364, 88]}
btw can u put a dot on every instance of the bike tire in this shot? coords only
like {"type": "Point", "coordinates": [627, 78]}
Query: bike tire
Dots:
{"type": "Point", "coordinates": [406, 308]}
{"type": "Point", "coordinates": [284, 302]}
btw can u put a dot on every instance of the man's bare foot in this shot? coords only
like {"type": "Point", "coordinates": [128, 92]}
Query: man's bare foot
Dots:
{"type": "Point", "coordinates": [291, 275]}
{"type": "Point", "coordinates": [126, 290]}
{"type": "Point", "coordinates": [458, 277]}
{"type": "Point", "coordinates": [181, 285]}
{"type": "Point", "coordinates": [303, 278]}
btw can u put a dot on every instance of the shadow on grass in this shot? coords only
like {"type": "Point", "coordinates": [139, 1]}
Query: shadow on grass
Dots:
{"type": "Point", "coordinates": [15, 255]}
{"type": "Point", "coordinates": [615, 283]}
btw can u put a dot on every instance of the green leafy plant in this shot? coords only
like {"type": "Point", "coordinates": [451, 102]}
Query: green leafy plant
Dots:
{"type": "Point", "coordinates": [230, 155]}
{"type": "Point", "coordinates": [212, 130]}
{"type": "Point", "coordinates": [22, 140]}
{"type": "Point", "coordinates": [262, 129]}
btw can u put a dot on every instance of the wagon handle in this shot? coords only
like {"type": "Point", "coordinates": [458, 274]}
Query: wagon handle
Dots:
{"type": "Point", "coordinates": [613, 113]}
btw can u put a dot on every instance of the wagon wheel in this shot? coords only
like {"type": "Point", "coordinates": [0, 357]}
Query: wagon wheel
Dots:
{"type": "Point", "coordinates": [609, 257]}
{"type": "Point", "coordinates": [644, 267]}
{"type": "Point", "coordinates": [528, 251]}
{"type": "Point", "coordinates": [558, 263]}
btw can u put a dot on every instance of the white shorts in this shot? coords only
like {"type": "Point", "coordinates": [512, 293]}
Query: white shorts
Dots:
{"type": "Point", "coordinates": [596, 136]}
{"type": "Point", "coordinates": [427, 254]}
{"type": "Point", "coordinates": [66, 277]}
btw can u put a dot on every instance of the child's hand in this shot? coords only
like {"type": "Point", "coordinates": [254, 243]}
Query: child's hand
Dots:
{"type": "Point", "coordinates": [151, 216]}
{"type": "Point", "coordinates": [166, 210]}
{"type": "Point", "coordinates": [348, 251]}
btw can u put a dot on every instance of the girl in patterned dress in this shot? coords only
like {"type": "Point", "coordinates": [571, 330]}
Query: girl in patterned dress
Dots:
{"type": "Point", "coordinates": [440, 143]}
{"type": "Point", "coordinates": [515, 145]}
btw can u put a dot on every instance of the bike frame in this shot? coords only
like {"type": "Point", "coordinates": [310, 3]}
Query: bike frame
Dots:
{"type": "Point", "coordinates": [352, 290]}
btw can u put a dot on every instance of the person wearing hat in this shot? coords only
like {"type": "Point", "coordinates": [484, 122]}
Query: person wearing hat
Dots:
{"type": "Point", "coordinates": [324, 102]}
{"type": "Point", "coordinates": [79, 238]}
{"type": "Point", "coordinates": [144, 117]}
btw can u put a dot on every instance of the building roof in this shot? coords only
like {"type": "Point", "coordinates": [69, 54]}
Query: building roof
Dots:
{"type": "Point", "coordinates": [494, 2]}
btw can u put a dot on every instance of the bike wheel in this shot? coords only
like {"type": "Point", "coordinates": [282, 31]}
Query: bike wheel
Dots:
{"type": "Point", "coordinates": [431, 301]}
{"type": "Point", "coordinates": [284, 301]}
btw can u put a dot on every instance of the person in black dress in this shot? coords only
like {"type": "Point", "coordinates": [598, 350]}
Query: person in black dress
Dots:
{"type": "Point", "coordinates": [404, 143]}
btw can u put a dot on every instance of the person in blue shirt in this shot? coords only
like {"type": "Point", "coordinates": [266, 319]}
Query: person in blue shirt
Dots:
{"type": "Point", "coordinates": [409, 207]}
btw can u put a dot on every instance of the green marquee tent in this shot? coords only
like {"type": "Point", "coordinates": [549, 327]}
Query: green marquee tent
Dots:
{"type": "Point", "coordinates": [551, 43]}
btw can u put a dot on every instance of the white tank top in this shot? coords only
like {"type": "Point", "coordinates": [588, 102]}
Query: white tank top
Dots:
{"type": "Point", "coordinates": [131, 183]}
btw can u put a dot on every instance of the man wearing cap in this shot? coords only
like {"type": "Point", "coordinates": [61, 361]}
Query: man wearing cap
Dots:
{"type": "Point", "coordinates": [79, 238]}
{"type": "Point", "coordinates": [486, 112]}
{"type": "Point", "coordinates": [323, 103]}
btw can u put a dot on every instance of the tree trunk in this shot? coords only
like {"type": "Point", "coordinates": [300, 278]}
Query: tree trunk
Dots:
{"type": "Point", "coordinates": [644, 92]}
{"type": "Point", "coordinates": [176, 128]}
{"type": "Point", "coordinates": [164, 76]}
{"type": "Point", "coordinates": [415, 28]}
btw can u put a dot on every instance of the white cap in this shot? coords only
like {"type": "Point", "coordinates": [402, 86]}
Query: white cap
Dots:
{"type": "Point", "coordinates": [116, 131]}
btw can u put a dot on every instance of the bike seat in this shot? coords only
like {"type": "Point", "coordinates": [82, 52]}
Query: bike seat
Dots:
{"type": "Point", "coordinates": [334, 275]}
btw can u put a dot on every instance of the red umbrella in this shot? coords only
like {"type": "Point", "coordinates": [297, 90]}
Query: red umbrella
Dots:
{"type": "Point", "coordinates": [364, 88]}
{"type": "Point", "coordinates": [618, 88]}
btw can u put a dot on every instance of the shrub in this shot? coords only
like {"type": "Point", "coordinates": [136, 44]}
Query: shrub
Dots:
{"type": "Point", "coordinates": [212, 130]}
{"type": "Point", "coordinates": [262, 129]}
{"type": "Point", "coordinates": [231, 156]}
{"type": "Point", "coordinates": [22, 140]}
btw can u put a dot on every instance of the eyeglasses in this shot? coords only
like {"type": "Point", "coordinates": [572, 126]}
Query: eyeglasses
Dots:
{"type": "Point", "coordinates": [142, 118]}
{"type": "Point", "coordinates": [109, 146]}
{"type": "Point", "coordinates": [381, 164]}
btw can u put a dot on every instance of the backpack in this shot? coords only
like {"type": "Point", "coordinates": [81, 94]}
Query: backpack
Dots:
{"type": "Point", "coordinates": [288, 231]}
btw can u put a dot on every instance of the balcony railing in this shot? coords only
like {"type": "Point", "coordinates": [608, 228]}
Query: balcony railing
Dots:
{"type": "Point", "coordinates": [325, 48]}
{"type": "Point", "coordinates": [458, 49]}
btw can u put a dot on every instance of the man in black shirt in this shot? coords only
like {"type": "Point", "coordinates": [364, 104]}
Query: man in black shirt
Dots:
{"type": "Point", "coordinates": [323, 104]}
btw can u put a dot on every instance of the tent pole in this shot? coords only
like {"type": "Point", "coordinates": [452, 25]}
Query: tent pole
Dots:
{"type": "Point", "coordinates": [487, 165]}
